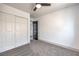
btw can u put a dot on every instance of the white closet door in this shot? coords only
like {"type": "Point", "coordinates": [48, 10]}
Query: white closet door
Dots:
{"type": "Point", "coordinates": [8, 41]}
{"type": "Point", "coordinates": [3, 31]}
{"type": "Point", "coordinates": [10, 31]}
{"type": "Point", "coordinates": [1, 41]}
{"type": "Point", "coordinates": [21, 31]}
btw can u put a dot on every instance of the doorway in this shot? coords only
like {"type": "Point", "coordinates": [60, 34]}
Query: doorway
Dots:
{"type": "Point", "coordinates": [35, 30]}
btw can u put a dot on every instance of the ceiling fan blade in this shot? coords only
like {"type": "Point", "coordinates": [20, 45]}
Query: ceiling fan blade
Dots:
{"type": "Point", "coordinates": [45, 4]}
{"type": "Point", "coordinates": [35, 9]}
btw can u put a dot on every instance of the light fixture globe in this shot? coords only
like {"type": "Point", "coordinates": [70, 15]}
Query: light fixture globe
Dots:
{"type": "Point", "coordinates": [38, 6]}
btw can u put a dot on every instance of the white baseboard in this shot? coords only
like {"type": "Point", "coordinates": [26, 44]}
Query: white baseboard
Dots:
{"type": "Point", "coordinates": [77, 50]}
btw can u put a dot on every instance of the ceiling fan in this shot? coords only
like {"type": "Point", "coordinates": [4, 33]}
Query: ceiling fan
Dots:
{"type": "Point", "coordinates": [39, 5]}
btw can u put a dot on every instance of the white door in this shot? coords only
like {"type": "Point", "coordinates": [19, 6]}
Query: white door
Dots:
{"type": "Point", "coordinates": [10, 31]}
{"type": "Point", "coordinates": [1, 41]}
{"type": "Point", "coordinates": [7, 29]}
{"type": "Point", "coordinates": [21, 31]}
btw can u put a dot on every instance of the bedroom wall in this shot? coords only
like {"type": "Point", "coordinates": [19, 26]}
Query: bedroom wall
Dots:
{"type": "Point", "coordinates": [60, 27]}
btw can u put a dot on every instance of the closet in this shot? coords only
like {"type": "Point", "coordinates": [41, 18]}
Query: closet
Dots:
{"type": "Point", "coordinates": [13, 31]}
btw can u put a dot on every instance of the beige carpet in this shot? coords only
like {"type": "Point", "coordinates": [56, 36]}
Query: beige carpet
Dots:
{"type": "Point", "coordinates": [40, 48]}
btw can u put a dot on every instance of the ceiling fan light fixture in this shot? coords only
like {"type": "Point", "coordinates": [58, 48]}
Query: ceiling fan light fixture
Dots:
{"type": "Point", "coordinates": [38, 5]}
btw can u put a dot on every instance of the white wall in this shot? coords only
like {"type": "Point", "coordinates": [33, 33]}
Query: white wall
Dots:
{"type": "Point", "coordinates": [31, 28]}
{"type": "Point", "coordinates": [60, 27]}
{"type": "Point", "coordinates": [14, 28]}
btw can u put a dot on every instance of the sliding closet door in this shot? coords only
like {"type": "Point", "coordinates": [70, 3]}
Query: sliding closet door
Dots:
{"type": "Point", "coordinates": [7, 31]}
{"type": "Point", "coordinates": [3, 31]}
{"type": "Point", "coordinates": [1, 41]}
{"type": "Point", "coordinates": [21, 31]}
{"type": "Point", "coordinates": [10, 31]}
{"type": "Point", "coordinates": [13, 31]}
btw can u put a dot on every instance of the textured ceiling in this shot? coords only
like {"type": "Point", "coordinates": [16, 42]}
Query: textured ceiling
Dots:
{"type": "Point", "coordinates": [28, 7]}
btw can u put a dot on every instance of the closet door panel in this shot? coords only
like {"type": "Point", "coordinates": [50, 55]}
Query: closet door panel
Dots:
{"type": "Point", "coordinates": [1, 44]}
{"type": "Point", "coordinates": [21, 32]}
{"type": "Point", "coordinates": [10, 31]}
{"type": "Point", "coordinates": [3, 31]}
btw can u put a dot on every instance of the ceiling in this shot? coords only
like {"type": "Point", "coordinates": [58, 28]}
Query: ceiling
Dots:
{"type": "Point", "coordinates": [28, 7]}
